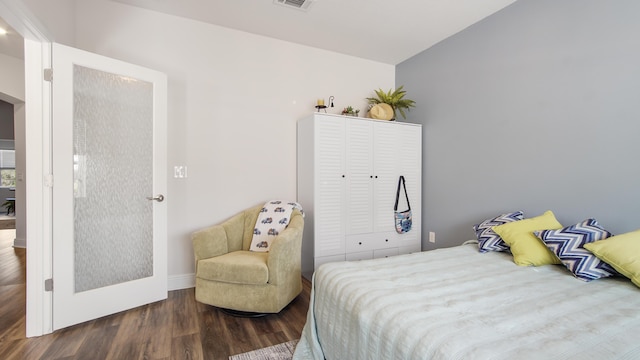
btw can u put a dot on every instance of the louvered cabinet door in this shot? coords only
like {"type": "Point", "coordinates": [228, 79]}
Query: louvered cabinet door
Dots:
{"type": "Point", "coordinates": [360, 176]}
{"type": "Point", "coordinates": [388, 150]}
{"type": "Point", "coordinates": [329, 194]}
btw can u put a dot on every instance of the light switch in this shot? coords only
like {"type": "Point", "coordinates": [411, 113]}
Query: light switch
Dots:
{"type": "Point", "coordinates": [180, 172]}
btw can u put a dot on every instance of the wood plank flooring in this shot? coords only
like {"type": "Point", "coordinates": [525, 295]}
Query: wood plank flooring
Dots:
{"type": "Point", "coordinates": [177, 328]}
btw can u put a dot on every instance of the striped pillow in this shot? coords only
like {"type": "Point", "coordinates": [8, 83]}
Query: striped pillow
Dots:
{"type": "Point", "coordinates": [568, 244]}
{"type": "Point", "coordinates": [488, 240]}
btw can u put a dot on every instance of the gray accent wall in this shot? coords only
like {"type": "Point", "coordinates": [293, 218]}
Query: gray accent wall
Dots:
{"type": "Point", "coordinates": [535, 108]}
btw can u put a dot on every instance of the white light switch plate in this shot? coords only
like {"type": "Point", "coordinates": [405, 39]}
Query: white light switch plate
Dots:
{"type": "Point", "coordinates": [179, 172]}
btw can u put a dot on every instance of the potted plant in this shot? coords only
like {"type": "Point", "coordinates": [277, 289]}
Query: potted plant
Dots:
{"type": "Point", "coordinates": [395, 99]}
{"type": "Point", "coordinates": [10, 205]}
{"type": "Point", "coordinates": [350, 111]}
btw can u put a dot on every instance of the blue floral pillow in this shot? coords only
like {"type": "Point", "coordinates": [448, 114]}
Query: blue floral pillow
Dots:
{"type": "Point", "coordinates": [568, 244]}
{"type": "Point", "coordinates": [488, 240]}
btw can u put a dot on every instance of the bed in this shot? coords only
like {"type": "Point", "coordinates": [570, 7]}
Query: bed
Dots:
{"type": "Point", "coordinates": [458, 303]}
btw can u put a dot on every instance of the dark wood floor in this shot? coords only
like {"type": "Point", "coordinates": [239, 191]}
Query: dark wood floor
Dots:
{"type": "Point", "coordinates": [177, 328]}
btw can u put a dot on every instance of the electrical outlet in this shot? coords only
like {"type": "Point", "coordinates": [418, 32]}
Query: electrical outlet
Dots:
{"type": "Point", "coordinates": [432, 237]}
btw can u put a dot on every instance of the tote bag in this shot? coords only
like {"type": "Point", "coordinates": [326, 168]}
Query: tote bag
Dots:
{"type": "Point", "coordinates": [402, 218]}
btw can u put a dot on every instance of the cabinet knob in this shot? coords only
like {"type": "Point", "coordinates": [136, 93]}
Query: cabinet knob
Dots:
{"type": "Point", "coordinates": [387, 240]}
{"type": "Point", "coordinates": [371, 176]}
{"type": "Point", "coordinates": [360, 243]}
{"type": "Point", "coordinates": [342, 175]}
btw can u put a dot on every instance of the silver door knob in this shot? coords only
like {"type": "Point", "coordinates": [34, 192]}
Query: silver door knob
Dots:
{"type": "Point", "coordinates": [158, 198]}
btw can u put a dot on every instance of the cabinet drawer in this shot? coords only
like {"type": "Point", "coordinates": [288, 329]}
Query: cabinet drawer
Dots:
{"type": "Point", "coordinates": [383, 253]}
{"type": "Point", "coordinates": [370, 241]}
{"type": "Point", "coordinates": [363, 255]}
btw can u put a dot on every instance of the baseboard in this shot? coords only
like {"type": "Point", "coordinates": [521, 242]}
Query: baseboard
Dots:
{"type": "Point", "coordinates": [19, 243]}
{"type": "Point", "coordinates": [179, 282]}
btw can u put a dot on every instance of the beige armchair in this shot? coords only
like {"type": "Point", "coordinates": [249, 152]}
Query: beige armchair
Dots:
{"type": "Point", "coordinates": [230, 276]}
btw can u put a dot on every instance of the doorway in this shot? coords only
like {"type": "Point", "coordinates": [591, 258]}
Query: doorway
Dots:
{"type": "Point", "coordinates": [38, 150]}
{"type": "Point", "coordinates": [12, 191]}
{"type": "Point", "coordinates": [12, 136]}
{"type": "Point", "coordinates": [37, 134]}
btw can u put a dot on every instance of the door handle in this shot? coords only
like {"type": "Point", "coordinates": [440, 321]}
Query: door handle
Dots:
{"type": "Point", "coordinates": [159, 198]}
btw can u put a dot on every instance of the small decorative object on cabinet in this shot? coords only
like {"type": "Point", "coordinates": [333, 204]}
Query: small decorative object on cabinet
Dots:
{"type": "Point", "coordinates": [348, 170]}
{"type": "Point", "coordinates": [394, 99]}
{"type": "Point", "coordinates": [350, 111]}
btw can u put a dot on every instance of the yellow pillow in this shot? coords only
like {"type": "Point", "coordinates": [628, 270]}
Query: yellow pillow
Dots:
{"type": "Point", "coordinates": [526, 248]}
{"type": "Point", "coordinates": [620, 251]}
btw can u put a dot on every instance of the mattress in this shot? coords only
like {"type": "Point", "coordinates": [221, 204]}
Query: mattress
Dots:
{"type": "Point", "coordinates": [457, 303]}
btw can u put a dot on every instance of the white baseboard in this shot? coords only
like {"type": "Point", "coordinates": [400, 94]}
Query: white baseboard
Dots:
{"type": "Point", "coordinates": [19, 243]}
{"type": "Point", "coordinates": [179, 282]}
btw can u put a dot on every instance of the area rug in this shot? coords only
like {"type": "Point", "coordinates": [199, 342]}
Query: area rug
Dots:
{"type": "Point", "coordinates": [282, 351]}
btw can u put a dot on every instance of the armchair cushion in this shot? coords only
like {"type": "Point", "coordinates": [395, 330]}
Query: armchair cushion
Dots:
{"type": "Point", "coordinates": [238, 267]}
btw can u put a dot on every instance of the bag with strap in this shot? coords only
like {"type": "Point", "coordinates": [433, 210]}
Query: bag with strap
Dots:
{"type": "Point", "coordinates": [402, 218]}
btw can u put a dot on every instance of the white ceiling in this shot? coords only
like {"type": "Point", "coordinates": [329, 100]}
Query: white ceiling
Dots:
{"type": "Point", "coordinates": [387, 31]}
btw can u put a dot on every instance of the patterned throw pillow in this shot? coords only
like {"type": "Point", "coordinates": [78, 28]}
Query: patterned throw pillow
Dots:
{"type": "Point", "coordinates": [488, 240]}
{"type": "Point", "coordinates": [568, 244]}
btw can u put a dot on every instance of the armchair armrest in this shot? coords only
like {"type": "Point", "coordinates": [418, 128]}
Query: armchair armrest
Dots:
{"type": "Point", "coordinates": [209, 242]}
{"type": "Point", "coordinates": [218, 239]}
{"type": "Point", "coordinates": [285, 251]}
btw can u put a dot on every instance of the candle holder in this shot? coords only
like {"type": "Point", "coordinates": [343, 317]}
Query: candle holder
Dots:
{"type": "Point", "coordinates": [321, 107]}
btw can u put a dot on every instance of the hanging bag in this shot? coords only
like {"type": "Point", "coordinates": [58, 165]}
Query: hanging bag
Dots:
{"type": "Point", "coordinates": [402, 218]}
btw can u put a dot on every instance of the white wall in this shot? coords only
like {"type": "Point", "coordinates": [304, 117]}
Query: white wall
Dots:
{"type": "Point", "coordinates": [58, 17]}
{"type": "Point", "coordinates": [12, 75]}
{"type": "Point", "coordinates": [234, 100]}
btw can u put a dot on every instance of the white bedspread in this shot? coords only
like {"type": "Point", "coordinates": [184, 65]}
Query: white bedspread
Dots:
{"type": "Point", "coordinates": [459, 304]}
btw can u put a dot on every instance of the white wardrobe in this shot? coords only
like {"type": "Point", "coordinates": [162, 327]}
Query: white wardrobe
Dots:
{"type": "Point", "coordinates": [348, 171]}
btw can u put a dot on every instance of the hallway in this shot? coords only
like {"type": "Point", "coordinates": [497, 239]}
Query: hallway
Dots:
{"type": "Point", "coordinates": [12, 288]}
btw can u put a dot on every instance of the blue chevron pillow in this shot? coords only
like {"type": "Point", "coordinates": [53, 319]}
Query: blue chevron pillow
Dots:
{"type": "Point", "coordinates": [488, 240]}
{"type": "Point", "coordinates": [568, 244]}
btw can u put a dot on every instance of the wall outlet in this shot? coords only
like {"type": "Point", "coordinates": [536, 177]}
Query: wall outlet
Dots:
{"type": "Point", "coordinates": [432, 237]}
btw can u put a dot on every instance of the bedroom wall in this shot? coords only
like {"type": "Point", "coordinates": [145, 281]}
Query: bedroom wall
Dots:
{"type": "Point", "coordinates": [12, 75]}
{"type": "Point", "coordinates": [58, 17]}
{"type": "Point", "coordinates": [234, 101]}
{"type": "Point", "coordinates": [533, 108]}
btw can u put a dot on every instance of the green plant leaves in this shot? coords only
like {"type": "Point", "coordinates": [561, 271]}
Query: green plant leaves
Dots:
{"type": "Point", "coordinates": [394, 98]}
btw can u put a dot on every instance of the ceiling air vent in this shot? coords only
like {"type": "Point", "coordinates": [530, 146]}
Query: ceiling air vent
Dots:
{"type": "Point", "coordinates": [296, 4]}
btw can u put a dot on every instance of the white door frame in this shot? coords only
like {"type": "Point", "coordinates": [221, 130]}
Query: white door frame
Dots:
{"type": "Point", "coordinates": [38, 164]}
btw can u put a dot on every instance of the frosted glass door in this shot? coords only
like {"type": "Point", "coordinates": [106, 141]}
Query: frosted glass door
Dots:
{"type": "Point", "coordinates": [113, 173]}
{"type": "Point", "coordinates": [109, 145]}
